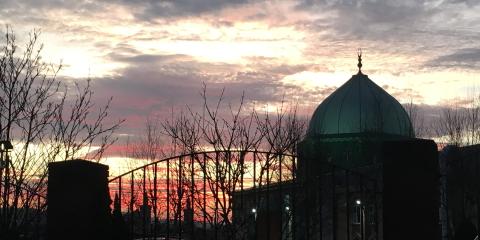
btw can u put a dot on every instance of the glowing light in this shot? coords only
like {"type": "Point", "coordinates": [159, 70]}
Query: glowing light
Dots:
{"type": "Point", "coordinates": [230, 44]}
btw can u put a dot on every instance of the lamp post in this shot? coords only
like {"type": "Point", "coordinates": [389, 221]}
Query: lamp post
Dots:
{"type": "Point", "coordinates": [254, 212]}
{"type": "Point", "coordinates": [288, 218]}
{"type": "Point", "coordinates": [5, 147]}
{"type": "Point", "coordinates": [362, 218]}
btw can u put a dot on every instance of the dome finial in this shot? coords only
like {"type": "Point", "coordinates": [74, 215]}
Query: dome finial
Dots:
{"type": "Point", "coordinates": [359, 65]}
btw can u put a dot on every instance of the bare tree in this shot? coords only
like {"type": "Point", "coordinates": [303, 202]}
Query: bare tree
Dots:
{"type": "Point", "coordinates": [281, 133]}
{"type": "Point", "coordinates": [417, 119]}
{"type": "Point", "coordinates": [230, 132]}
{"type": "Point", "coordinates": [451, 125]}
{"type": "Point", "coordinates": [45, 123]}
{"type": "Point", "coordinates": [472, 120]}
{"type": "Point", "coordinates": [215, 146]}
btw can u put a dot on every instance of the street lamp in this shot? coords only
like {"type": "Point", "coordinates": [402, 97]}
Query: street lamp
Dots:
{"type": "Point", "coordinates": [5, 147]}
{"type": "Point", "coordinates": [254, 212]}
{"type": "Point", "coordinates": [362, 217]}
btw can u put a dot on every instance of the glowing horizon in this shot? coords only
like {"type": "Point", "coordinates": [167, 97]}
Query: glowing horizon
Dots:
{"type": "Point", "coordinates": [153, 58]}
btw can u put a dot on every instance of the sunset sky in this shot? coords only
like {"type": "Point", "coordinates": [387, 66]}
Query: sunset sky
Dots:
{"type": "Point", "coordinates": [152, 56]}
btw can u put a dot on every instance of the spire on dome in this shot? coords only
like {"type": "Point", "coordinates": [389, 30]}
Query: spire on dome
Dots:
{"type": "Point", "coordinates": [359, 65]}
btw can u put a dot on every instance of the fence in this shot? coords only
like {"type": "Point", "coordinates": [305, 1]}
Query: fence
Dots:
{"type": "Point", "coordinates": [244, 195]}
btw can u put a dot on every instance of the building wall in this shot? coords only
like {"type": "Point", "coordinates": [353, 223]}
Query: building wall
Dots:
{"type": "Point", "coordinates": [395, 181]}
{"type": "Point", "coordinates": [460, 191]}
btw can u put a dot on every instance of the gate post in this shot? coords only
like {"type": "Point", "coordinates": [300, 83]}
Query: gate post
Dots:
{"type": "Point", "coordinates": [78, 201]}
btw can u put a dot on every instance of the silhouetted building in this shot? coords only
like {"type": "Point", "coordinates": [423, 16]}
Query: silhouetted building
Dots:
{"type": "Point", "coordinates": [361, 174]}
{"type": "Point", "coordinates": [139, 222]}
{"type": "Point", "coordinates": [460, 192]}
{"type": "Point", "coordinates": [120, 230]}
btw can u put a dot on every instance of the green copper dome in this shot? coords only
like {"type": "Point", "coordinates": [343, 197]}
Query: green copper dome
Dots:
{"type": "Point", "coordinates": [360, 107]}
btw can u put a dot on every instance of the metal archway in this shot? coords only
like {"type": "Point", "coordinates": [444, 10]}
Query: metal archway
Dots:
{"type": "Point", "coordinates": [238, 194]}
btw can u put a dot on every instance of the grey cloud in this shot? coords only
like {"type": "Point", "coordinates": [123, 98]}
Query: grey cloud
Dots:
{"type": "Point", "coordinates": [462, 55]}
{"type": "Point", "coordinates": [169, 62]}
{"type": "Point", "coordinates": [156, 84]}
{"type": "Point", "coordinates": [80, 4]}
{"type": "Point", "coordinates": [146, 10]}
{"type": "Point", "coordinates": [413, 26]}
{"type": "Point", "coordinates": [371, 19]}
{"type": "Point", "coordinates": [468, 58]}
{"type": "Point", "coordinates": [152, 9]}
{"type": "Point", "coordinates": [33, 9]}
{"type": "Point", "coordinates": [469, 3]}
{"type": "Point", "coordinates": [143, 10]}
{"type": "Point", "coordinates": [415, 30]}
{"type": "Point", "coordinates": [147, 58]}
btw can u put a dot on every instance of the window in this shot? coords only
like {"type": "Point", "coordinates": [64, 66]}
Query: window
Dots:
{"type": "Point", "coordinates": [357, 214]}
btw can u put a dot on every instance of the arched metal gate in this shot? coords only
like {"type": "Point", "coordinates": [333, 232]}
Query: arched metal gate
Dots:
{"type": "Point", "coordinates": [243, 195]}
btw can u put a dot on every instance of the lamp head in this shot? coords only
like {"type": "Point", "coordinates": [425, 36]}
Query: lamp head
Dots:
{"type": "Point", "coordinates": [6, 145]}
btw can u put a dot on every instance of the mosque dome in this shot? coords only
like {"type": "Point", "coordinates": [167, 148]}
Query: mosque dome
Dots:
{"type": "Point", "coordinates": [360, 107]}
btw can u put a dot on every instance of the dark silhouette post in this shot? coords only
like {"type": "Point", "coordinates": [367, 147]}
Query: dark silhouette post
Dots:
{"type": "Point", "coordinates": [189, 221]}
{"type": "Point", "coordinates": [78, 201]}
{"type": "Point", "coordinates": [410, 193]}
{"type": "Point", "coordinates": [120, 230]}
{"type": "Point", "coordinates": [5, 148]}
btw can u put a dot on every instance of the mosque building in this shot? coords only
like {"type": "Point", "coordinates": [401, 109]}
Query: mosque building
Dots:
{"type": "Point", "coordinates": [361, 174]}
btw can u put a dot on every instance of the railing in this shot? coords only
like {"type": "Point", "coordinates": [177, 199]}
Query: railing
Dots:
{"type": "Point", "coordinates": [243, 195]}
